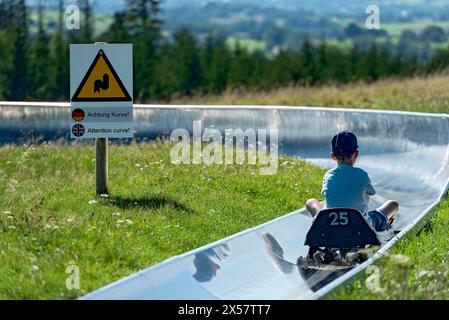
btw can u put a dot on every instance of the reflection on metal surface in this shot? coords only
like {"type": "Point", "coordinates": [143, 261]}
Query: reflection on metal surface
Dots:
{"type": "Point", "coordinates": [207, 262]}
{"type": "Point", "coordinates": [315, 277]}
{"type": "Point", "coordinates": [275, 252]}
{"type": "Point", "coordinates": [406, 155]}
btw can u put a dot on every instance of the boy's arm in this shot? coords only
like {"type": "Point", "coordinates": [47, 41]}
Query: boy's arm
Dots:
{"type": "Point", "coordinates": [366, 197]}
{"type": "Point", "coordinates": [324, 184]}
{"type": "Point", "coordinates": [370, 191]}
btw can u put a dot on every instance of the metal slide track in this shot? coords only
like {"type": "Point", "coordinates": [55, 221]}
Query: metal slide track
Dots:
{"type": "Point", "coordinates": [406, 155]}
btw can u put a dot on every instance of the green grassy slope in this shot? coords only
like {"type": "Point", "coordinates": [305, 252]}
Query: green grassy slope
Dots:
{"type": "Point", "coordinates": [50, 218]}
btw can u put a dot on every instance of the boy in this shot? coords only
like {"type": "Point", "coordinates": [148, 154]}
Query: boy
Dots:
{"type": "Point", "coordinates": [349, 187]}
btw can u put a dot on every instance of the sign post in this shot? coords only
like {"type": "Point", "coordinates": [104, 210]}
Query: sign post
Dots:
{"type": "Point", "coordinates": [101, 86]}
{"type": "Point", "coordinates": [101, 172]}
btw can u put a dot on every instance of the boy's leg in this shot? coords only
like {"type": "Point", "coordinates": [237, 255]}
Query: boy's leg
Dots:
{"type": "Point", "coordinates": [390, 208]}
{"type": "Point", "coordinates": [314, 206]}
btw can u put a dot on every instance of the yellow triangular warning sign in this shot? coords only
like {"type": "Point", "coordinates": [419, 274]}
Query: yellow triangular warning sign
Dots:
{"type": "Point", "coordinates": [101, 83]}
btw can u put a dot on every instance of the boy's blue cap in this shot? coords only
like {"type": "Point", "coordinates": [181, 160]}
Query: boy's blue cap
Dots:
{"type": "Point", "coordinates": [344, 144]}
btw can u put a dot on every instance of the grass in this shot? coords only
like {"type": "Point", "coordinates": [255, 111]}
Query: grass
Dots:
{"type": "Point", "coordinates": [101, 22]}
{"type": "Point", "coordinates": [251, 45]}
{"type": "Point", "coordinates": [50, 218]}
{"type": "Point", "coordinates": [427, 94]}
{"type": "Point", "coordinates": [395, 29]}
{"type": "Point", "coordinates": [417, 267]}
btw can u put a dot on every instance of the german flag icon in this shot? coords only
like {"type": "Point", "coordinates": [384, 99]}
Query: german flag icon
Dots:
{"type": "Point", "coordinates": [78, 115]}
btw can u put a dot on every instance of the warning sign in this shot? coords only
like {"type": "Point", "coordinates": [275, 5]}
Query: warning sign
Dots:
{"type": "Point", "coordinates": [101, 83]}
{"type": "Point", "coordinates": [101, 87]}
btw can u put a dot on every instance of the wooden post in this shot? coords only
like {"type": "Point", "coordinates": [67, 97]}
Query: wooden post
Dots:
{"type": "Point", "coordinates": [101, 145]}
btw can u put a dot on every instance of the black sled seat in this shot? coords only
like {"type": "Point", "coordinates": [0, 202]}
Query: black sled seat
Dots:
{"type": "Point", "coordinates": [340, 228]}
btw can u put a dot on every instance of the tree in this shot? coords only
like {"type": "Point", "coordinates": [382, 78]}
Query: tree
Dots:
{"type": "Point", "coordinates": [279, 71]}
{"type": "Point", "coordinates": [6, 50]}
{"type": "Point", "coordinates": [276, 36]}
{"type": "Point", "coordinates": [353, 31]}
{"type": "Point", "coordinates": [439, 62]}
{"type": "Point", "coordinates": [408, 42]}
{"type": "Point", "coordinates": [59, 79]}
{"type": "Point", "coordinates": [87, 35]}
{"type": "Point", "coordinates": [5, 61]}
{"type": "Point", "coordinates": [144, 28]}
{"type": "Point", "coordinates": [371, 63]}
{"type": "Point", "coordinates": [433, 34]}
{"type": "Point", "coordinates": [165, 82]}
{"type": "Point", "coordinates": [17, 79]}
{"type": "Point", "coordinates": [409, 36]}
{"type": "Point", "coordinates": [186, 62]}
{"type": "Point", "coordinates": [2, 14]}
{"type": "Point", "coordinates": [215, 60]}
{"type": "Point", "coordinates": [240, 68]}
{"type": "Point", "coordinates": [39, 81]}
{"type": "Point", "coordinates": [324, 65]}
{"type": "Point", "coordinates": [307, 63]}
{"type": "Point", "coordinates": [6, 13]}
{"type": "Point", "coordinates": [258, 70]}
{"type": "Point", "coordinates": [118, 33]}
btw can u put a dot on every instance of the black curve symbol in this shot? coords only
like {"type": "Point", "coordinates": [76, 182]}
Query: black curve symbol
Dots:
{"type": "Point", "coordinates": [101, 84]}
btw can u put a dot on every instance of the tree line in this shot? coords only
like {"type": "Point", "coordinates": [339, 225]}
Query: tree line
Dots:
{"type": "Point", "coordinates": [35, 66]}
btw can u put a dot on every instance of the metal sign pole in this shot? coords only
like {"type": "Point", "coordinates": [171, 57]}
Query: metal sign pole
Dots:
{"type": "Point", "coordinates": [101, 146]}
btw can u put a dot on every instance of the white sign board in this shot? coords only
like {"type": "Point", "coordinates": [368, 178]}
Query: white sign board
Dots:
{"type": "Point", "coordinates": [101, 91]}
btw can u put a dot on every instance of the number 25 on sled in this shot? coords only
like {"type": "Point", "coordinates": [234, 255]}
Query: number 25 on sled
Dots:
{"type": "Point", "coordinates": [101, 87]}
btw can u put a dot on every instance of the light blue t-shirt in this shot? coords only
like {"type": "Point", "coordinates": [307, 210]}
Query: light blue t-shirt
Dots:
{"type": "Point", "coordinates": [346, 187]}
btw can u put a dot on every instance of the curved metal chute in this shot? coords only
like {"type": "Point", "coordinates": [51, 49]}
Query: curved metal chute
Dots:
{"type": "Point", "coordinates": [406, 155]}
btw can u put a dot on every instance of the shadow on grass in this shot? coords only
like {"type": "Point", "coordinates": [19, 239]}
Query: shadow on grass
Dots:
{"type": "Point", "coordinates": [148, 203]}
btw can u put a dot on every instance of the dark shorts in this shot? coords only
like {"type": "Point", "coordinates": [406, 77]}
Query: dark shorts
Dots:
{"type": "Point", "coordinates": [379, 220]}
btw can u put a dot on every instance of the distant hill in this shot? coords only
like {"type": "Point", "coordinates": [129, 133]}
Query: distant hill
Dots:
{"type": "Point", "coordinates": [351, 8]}
{"type": "Point", "coordinates": [319, 7]}
{"type": "Point", "coordinates": [273, 24]}
{"type": "Point", "coordinates": [103, 7]}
